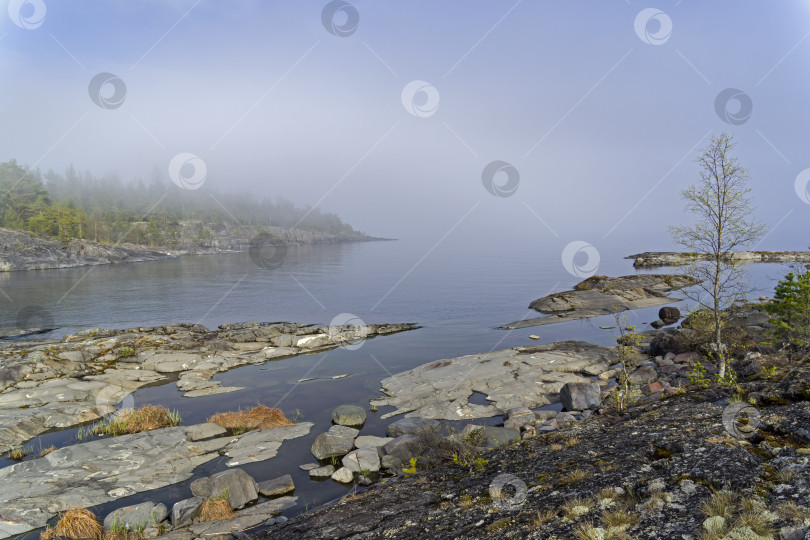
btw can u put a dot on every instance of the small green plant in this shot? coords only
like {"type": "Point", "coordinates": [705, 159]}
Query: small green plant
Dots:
{"type": "Point", "coordinates": [476, 463]}
{"type": "Point", "coordinates": [729, 379]}
{"type": "Point", "coordinates": [622, 395]}
{"type": "Point", "coordinates": [412, 470]}
{"type": "Point", "coordinates": [768, 373]}
{"type": "Point", "coordinates": [126, 352]}
{"type": "Point", "coordinates": [697, 376]}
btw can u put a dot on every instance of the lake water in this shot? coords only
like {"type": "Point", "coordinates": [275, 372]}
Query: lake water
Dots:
{"type": "Point", "coordinates": [459, 293]}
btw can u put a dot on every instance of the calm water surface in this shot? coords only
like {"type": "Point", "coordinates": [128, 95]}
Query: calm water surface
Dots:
{"type": "Point", "coordinates": [458, 294]}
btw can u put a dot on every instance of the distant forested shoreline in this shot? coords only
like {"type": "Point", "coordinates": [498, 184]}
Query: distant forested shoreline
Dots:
{"type": "Point", "coordinates": [108, 210]}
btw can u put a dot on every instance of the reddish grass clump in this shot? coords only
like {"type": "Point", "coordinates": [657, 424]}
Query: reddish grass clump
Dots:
{"type": "Point", "coordinates": [76, 523]}
{"type": "Point", "coordinates": [215, 509]}
{"type": "Point", "coordinates": [259, 417]}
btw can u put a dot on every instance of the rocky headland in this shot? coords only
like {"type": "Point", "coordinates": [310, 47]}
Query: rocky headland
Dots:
{"type": "Point", "coordinates": [20, 250]}
{"type": "Point", "coordinates": [672, 258]}
{"type": "Point", "coordinates": [603, 295]}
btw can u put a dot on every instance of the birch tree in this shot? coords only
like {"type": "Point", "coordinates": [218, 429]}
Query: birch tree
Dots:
{"type": "Point", "coordinates": [722, 208]}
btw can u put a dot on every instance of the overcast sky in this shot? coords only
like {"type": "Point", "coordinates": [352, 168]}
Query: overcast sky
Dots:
{"type": "Point", "coordinates": [595, 108]}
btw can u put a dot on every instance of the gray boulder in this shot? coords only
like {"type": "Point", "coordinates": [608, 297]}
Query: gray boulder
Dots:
{"type": "Point", "coordinates": [391, 462]}
{"type": "Point", "coordinates": [337, 442]}
{"type": "Point", "coordinates": [186, 511]}
{"type": "Point", "coordinates": [343, 475]}
{"type": "Point", "coordinates": [349, 415]}
{"type": "Point", "coordinates": [578, 396]}
{"type": "Point", "coordinates": [362, 459]}
{"type": "Point", "coordinates": [669, 314]}
{"type": "Point", "coordinates": [643, 375]}
{"type": "Point", "coordinates": [409, 425]}
{"type": "Point", "coordinates": [137, 516]}
{"type": "Point", "coordinates": [277, 486]}
{"type": "Point", "coordinates": [240, 486]}
{"type": "Point", "coordinates": [364, 441]}
{"type": "Point", "coordinates": [404, 447]}
{"type": "Point", "coordinates": [490, 436]}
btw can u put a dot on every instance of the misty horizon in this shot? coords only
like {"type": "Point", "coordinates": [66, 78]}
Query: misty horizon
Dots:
{"type": "Point", "coordinates": [382, 113]}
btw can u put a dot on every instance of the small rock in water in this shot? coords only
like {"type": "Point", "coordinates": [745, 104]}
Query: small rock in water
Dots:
{"type": "Point", "coordinates": [349, 415]}
{"type": "Point", "coordinates": [277, 486]}
{"type": "Point", "coordinates": [343, 475]}
{"type": "Point", "coordinates": [534, 337]}
{"type": "Point", "coordinates": [322, 472]}
{"type": "Point", "coordinates": [308, 466]}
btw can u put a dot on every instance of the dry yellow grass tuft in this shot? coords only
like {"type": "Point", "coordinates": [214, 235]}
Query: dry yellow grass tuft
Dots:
{"type": "Point", "coordinates": [721, 503]}
{"type": "Point", "coordinates": [259, 417]}
{"type": "Point", "coordinates": [130, 421]}
{"type": "Point", "coordinates": [620, 518]}
{"type": "Point", "coordinates": [542, 517]}
{"type": "Point", "coordinates": [45, 451]}
{"type": "Point", "coordinates": [215, 509]}
{"type": "Point", "coordinates": [75, 524]}
{"type": "Point", "coordinates": [577, 475]}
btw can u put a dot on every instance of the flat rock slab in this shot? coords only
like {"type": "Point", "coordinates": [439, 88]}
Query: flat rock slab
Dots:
{"type": "Point", "coordinates": [107, 469]}
{"type": "Point", "coordinates": [250, 517]}
{"type": "Point", "coordinates": [519, 377]}
{"type": "Point", "coordinates": [97, 472]}
{"type": "Point", "coordinates": [47, 385]}
{"type": "Point", "coordinates": [277, 486]}
{"type": "Point", "coordinates": [263, 444]}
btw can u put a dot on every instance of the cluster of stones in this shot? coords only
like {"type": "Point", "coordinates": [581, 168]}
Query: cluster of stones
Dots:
{"type": "Point", "coordinates": [105, 470]}
{"type": "Point", "coordinates": [358, 455]}
{"type": "Point", "coordinates": [183, 521]}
